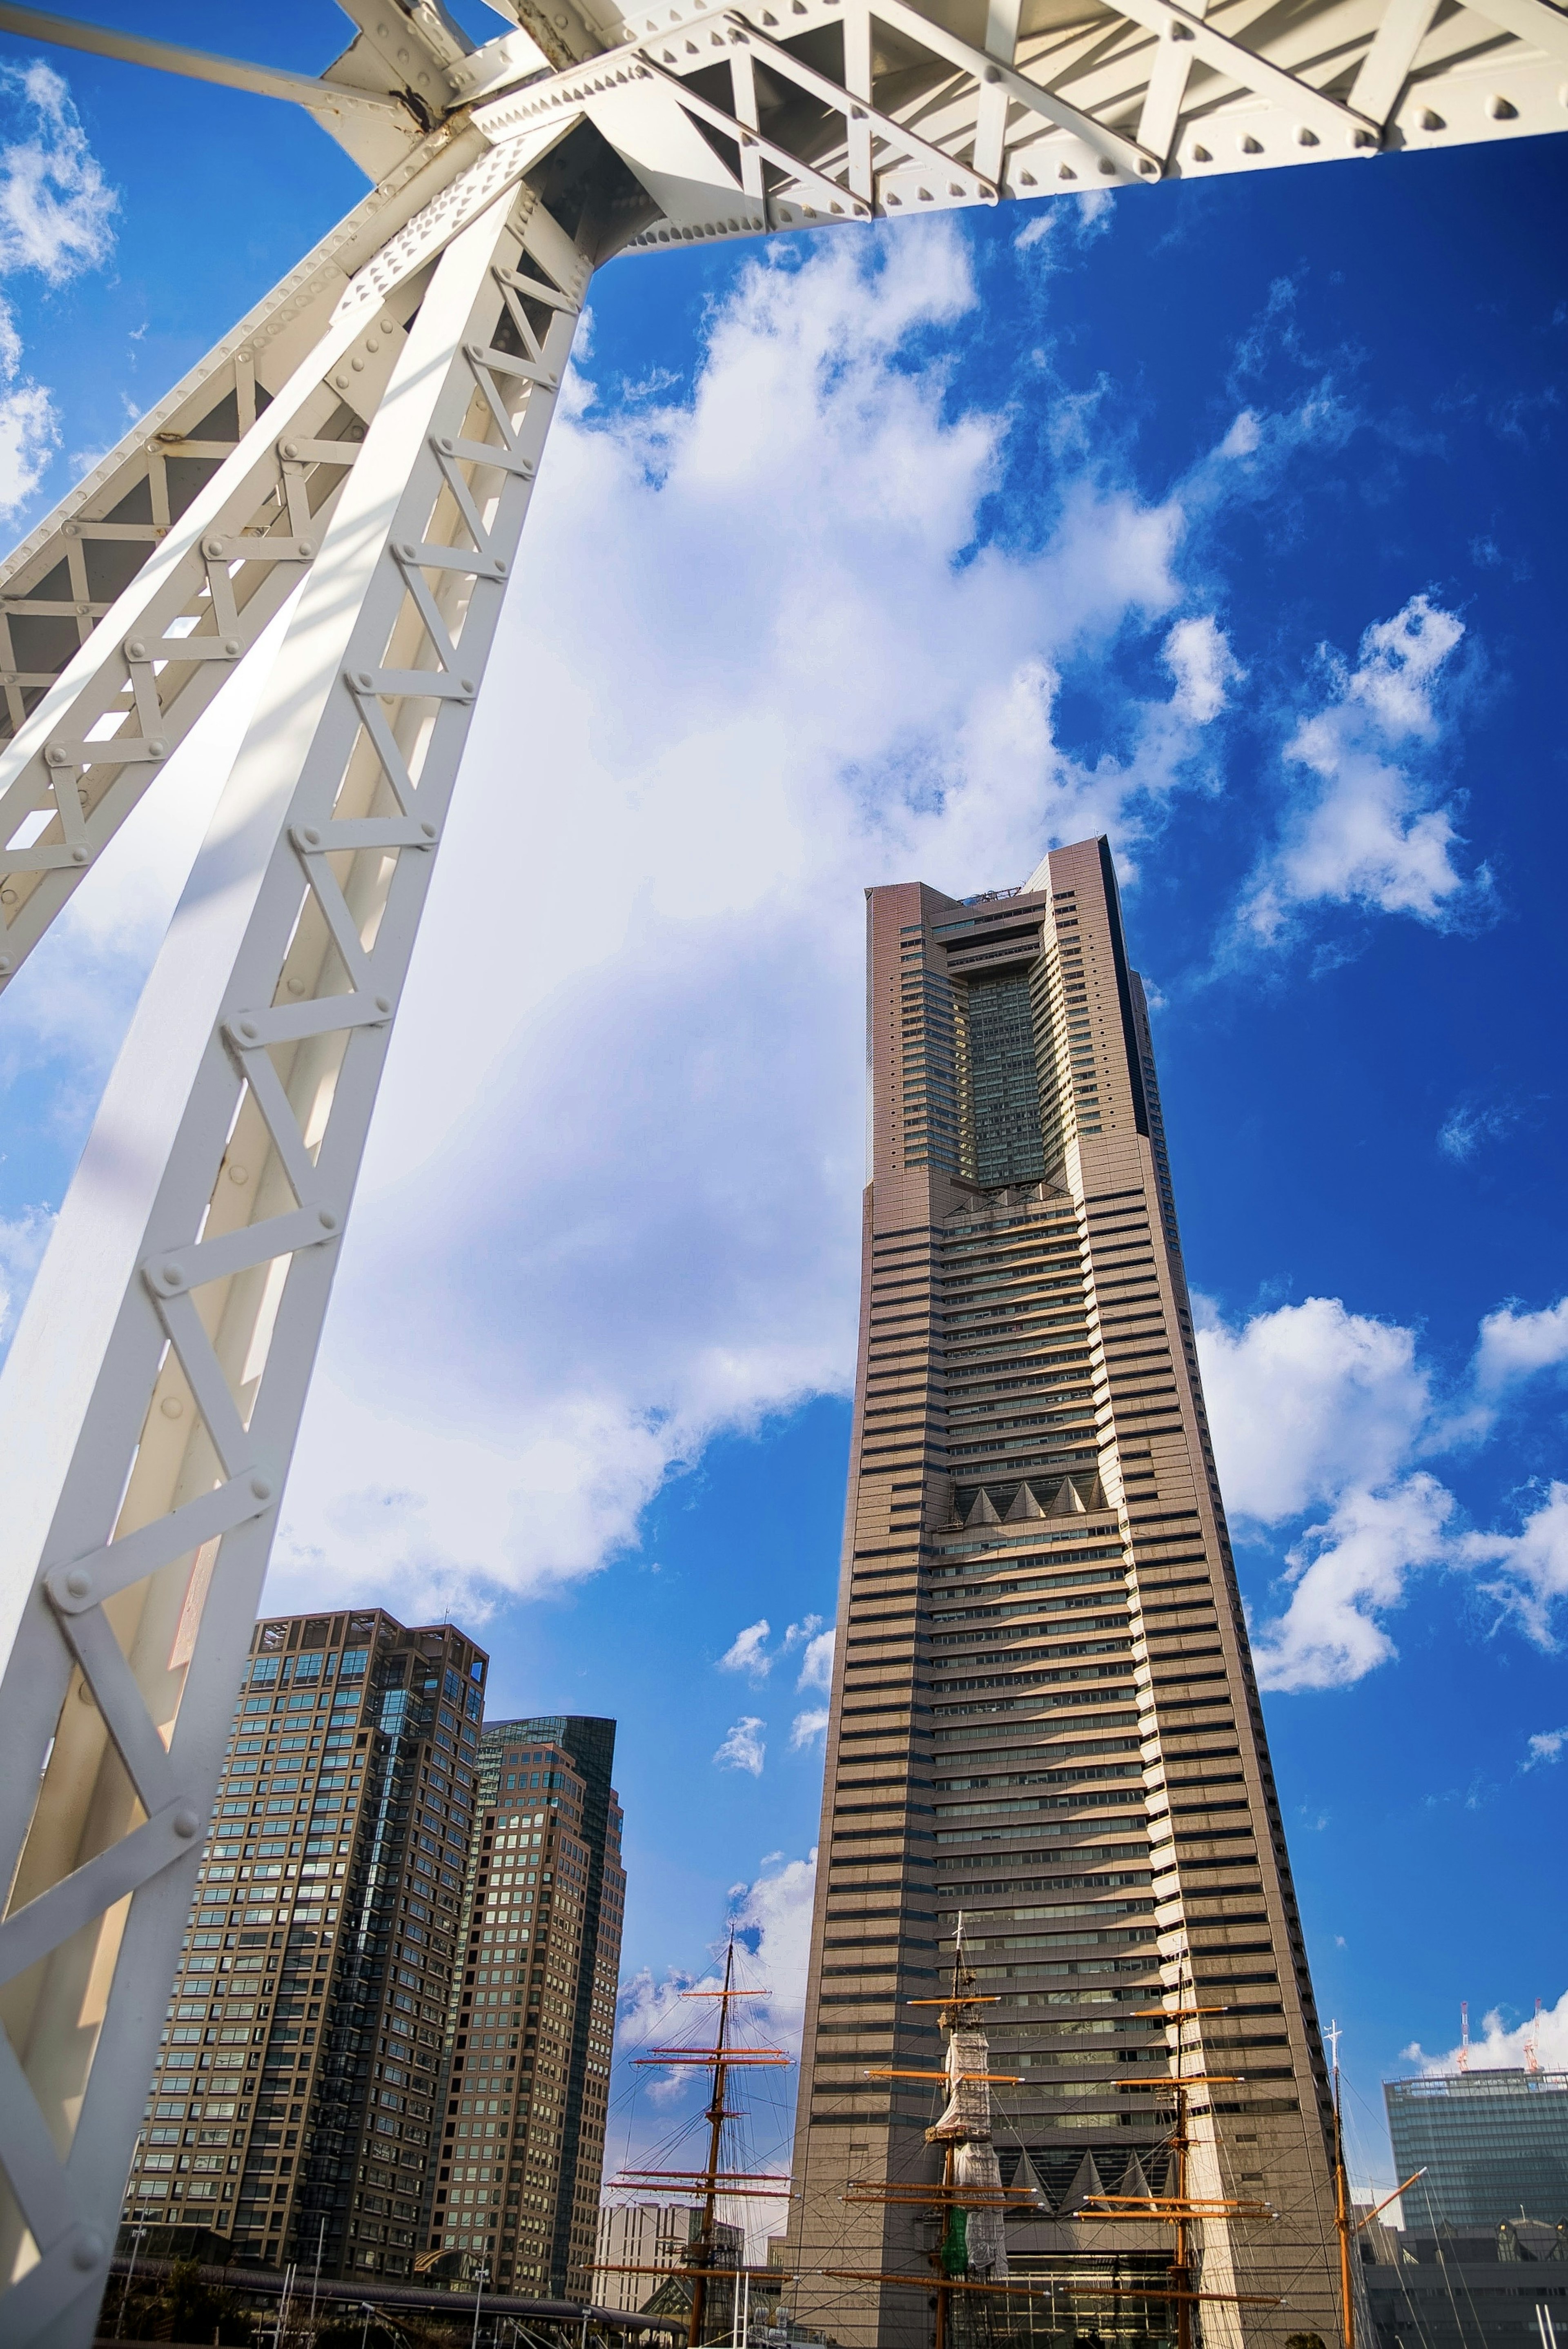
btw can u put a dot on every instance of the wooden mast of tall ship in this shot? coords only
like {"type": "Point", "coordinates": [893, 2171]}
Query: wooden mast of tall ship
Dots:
{"type": "Point", "coordinates": [713, 2182]}
{"type": "Point", "coordinates": [1347, 2231]}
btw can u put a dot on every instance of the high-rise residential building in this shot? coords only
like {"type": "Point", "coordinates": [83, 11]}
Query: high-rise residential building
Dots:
{"type": "Point", "coordinates": [293, 2109]}
{"type": "Point", "coordinates": [1043, 1716]}
{"type": "Point", "coordinates": [532, 2015]}
{"type": "Point", "coordinates": [1493, 2144]}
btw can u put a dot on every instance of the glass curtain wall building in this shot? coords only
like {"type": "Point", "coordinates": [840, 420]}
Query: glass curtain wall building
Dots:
{"type": "Point", "coordinates": [293, 2106]}
{"type": "Point", "coordinates": [532, 2015]}
{"type": "Point", "coordinates": [1494, 2146]}
{"type": "Point", "coordinates": [1043, 1716]}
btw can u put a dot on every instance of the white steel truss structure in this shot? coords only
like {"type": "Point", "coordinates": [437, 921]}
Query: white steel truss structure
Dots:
{"type": "Point", "coordinates": [365, 443]}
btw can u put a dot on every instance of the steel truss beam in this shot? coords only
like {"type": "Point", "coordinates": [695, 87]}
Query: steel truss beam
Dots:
{"type": "Point", "coordinates": [364, 442]}
{"type": "Point", "coordinates": [158, 1378]}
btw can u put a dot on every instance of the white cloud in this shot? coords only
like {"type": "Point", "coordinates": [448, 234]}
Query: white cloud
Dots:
{"type": "Point", "coordinates": [1504, 2047]}
{"type": "Point", "coordinates": [1343, 1576]}
{"type": "Point", "coordinates": [1072, 221]}
{"type": "Point", "coordinates": [1514, 1346]}
{"type": "Point", "coordinates": [1305, 1401]}
{"type": "Point", "coordinates": [816, 1664]}
{"type": "Point", "coordinates": [1198, 654]}
{"type": "Point", "coordinates": [747, 1652]}
{"type": "Point", "coordinates": [1312, 1406]}
{"type": "Point", "coordinates": [29, 428]}
{"type": "Point", "coordinates": [56, 207]}
{"type": "Point", "coordinates": [1363, 830]}
{"type": "Point", "coordinates": [55, 215]}
{"type": "Point", "coordinates": [1530, 1566]}
{"type": "Point", "coordinates": [750, 663]}
{"type": "Point", "coordinates": [1546, 1745]}
{"type": "Point", "coordinates": [807, 1727]}
{"type": "Point", "coordinates": [743, 1747]}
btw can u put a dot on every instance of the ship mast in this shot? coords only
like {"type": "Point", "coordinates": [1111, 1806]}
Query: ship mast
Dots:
{"type": "Point", "coordinates": [721, 2061]}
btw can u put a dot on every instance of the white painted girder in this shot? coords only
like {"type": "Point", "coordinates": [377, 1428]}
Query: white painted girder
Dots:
{"type": "Point", "coordinates": [155, 1383]}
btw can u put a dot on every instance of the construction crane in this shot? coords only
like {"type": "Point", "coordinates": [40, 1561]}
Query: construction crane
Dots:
{"type": "Point", "coordinates": [354, 460]}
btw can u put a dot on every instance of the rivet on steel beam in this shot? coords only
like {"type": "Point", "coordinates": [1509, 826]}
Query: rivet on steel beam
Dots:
{"type": "Point", "coordinates": [78, 1582]}
{"type": "Point", "coordinates": [185, 1823]}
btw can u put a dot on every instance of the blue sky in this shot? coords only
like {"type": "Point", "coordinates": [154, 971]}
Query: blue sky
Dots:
{"type": "Point", "coordinates": [1227, 519]}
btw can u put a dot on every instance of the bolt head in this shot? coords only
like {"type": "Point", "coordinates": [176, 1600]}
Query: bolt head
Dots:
{"type": "Point", "coordinates": [78, 856]}
{"type": "Point", "coordinates": [288, 448]}
{"type": "Point", "coordinates": [87, 2251]}
{"type": "Point", "coordinates": [158, 747]}
{"type": "Point", "coordinates": [307, 550]}
{"type": "Point", "coordinates": [261, 1488]}
{"type": "Point", "coordinates": [310, 835]}
{"type": "Point", "coordinates": [466, 685]}
{"type": "Point", "coordinates": [78, 1582]}
{"type": "Point", "coordinates": [231, 646]}
{"type": "Point", "coordinates": [212, 547]}
{"type": "Point", "coordinates": [383, 1002]}
{"type": "Point", "coordinates": [247, 1028]}
{"type": "Point", "coordinates": [136, 649]}
{"type": "Point", "coordinates": [55, 756]}
{"type": "Point", "coordinates": [171, 1277]}
{"type": "Point", "coordinates": [365, 681]}
{"type": "Point", "coordinates": [185, 1823]}
{"type": "Point", "coordinates": [447, 447]}
{"type": "Point", "coordinates": [428, 829]}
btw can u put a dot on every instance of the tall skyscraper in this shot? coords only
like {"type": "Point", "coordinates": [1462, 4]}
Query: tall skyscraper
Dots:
{"type": "Point", "coordinates": [1044, 1714]}
{"type": "Point", "coordinates": [532, 2015]}
{"type": "Point", "coordinates": [293, 2107]}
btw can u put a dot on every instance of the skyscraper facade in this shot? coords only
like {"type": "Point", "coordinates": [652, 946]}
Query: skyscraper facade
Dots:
{"type": "Point", "coordinates": [294, 2108]}
{"type": "Point", "coordinates": [532, 2013]}
{"type": "Point", "coordinates": [1043, 1716]}
{"type": "Point", "coordinates": [1493, 2145]}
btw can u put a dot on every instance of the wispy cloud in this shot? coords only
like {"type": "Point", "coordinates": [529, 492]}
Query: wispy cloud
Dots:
{"type": "Point", "coordinates": [1530, 1568]}
{"type": "Point", "coordinates": [1365, 825]}
{"type": "Point", "coordinates": [56, 219]}
{"type": "Point", "coordinates": [1469, 1125]}
{"type": "Point", "coordinates": [57, 209]}
{"type": "Point", "coordinates": [743, 1747]}
{"type": "Point", "coordinates": [807, 1727]}
{"type": "Point", "coordinates": [747, 1652]}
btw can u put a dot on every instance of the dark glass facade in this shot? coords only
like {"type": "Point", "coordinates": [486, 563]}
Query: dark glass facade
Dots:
{"type": "Point", "coordinates": [1494, 2146]}
{"type": "Point", "coordinates": [532, 2015]}
{"type": "Point", "coordinates": [290, 2116]}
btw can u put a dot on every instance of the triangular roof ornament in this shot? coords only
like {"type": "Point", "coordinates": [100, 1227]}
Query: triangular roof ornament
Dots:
{"type": "Point", "coordinates": [1025, 2180]}
{"type": "Point", "coordinates": [1067, 1502]}
{"type": "Point", "coordinates": [1086, 2181]}
{"type": "Point", "coordinates": [1135, 2181]}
